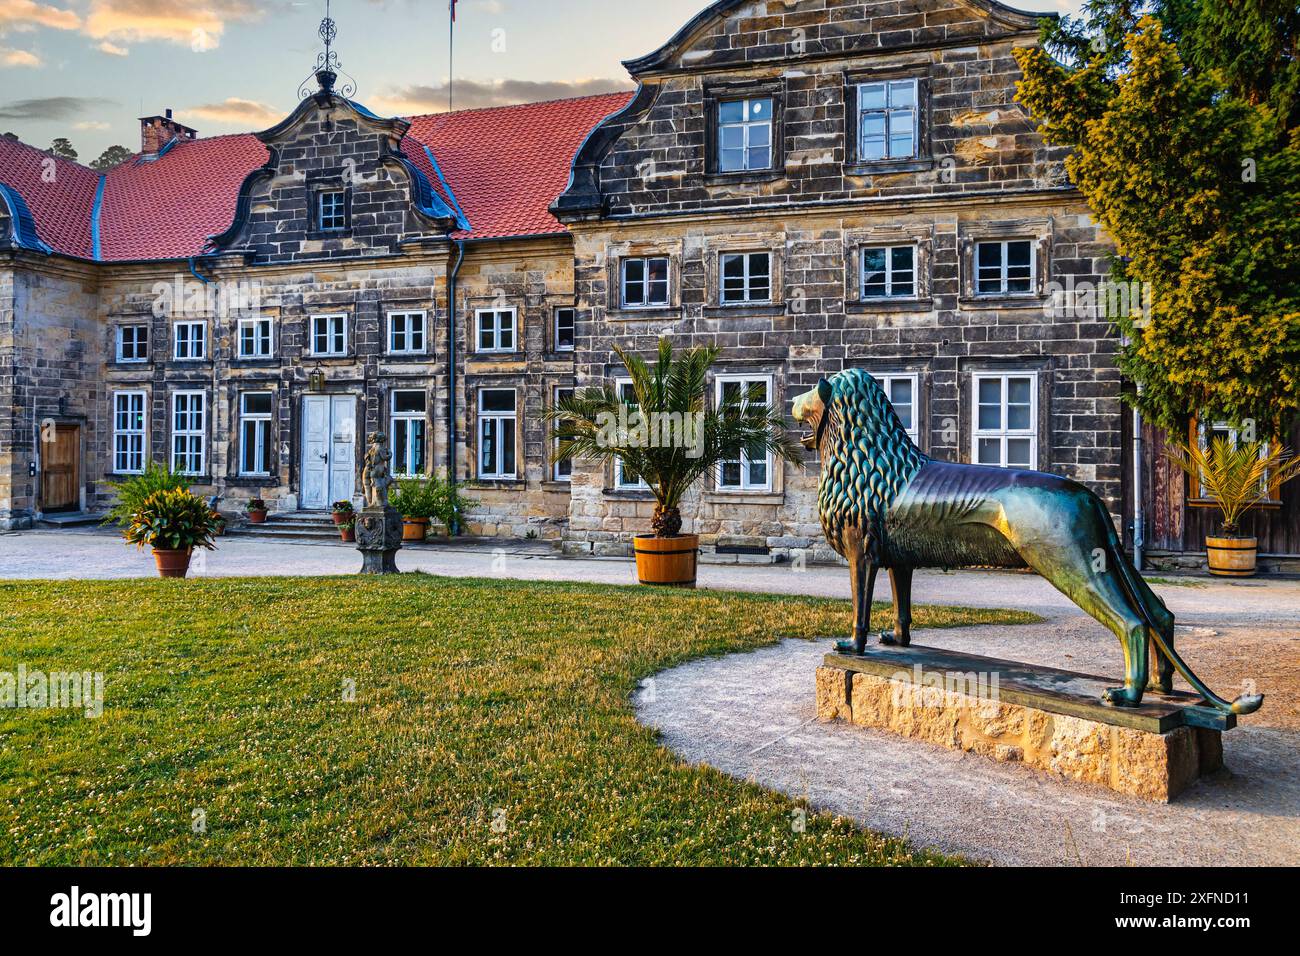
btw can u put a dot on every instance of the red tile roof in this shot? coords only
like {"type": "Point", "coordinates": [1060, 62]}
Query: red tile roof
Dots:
{"type": "Point", "coordinates": [504, 166]}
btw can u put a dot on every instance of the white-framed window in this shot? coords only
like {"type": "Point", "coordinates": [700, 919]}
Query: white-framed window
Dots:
{"type": "Point", "coordinates": [902, 390]}
{"type": "Point", "coordinates": [189, 341]}
{"type": "Point", "coordinates": [1206, 433]}
{"type": "Point", "coordinates": [566, 329]}
{"type": "Point", "coordinates": [1004, 267]}
{"type": "Point", "coordinates": [255, 411]}
{"type": "Point", "coordinates": [562, 470]}
{"type": "Point", "coordinates": [406, 333]}
{"type": "Point", "coordinates": [329, 334]}
{"type": "Point", "coordinates": [622, 479]}
{"type": "Point", "coordinates": [496, 330]}
{"type": "Point", "coordinates": [332, 214]}
{"type": "Point", "coordinates": [746, 277]}
{"type": "Point", "coordinates": [189, 432]}
{"type": "Point", "coordinates": [255, 338]}
{"type": "Point", "coordinates": [745, 134]}
{"type": "Point", "coordinates": [644, 282]}
{"type": "Point", "coordinates": [889, 272]}
{"type": "Point", "coordinates": [409, 426]}
{"type": "Point", "coordinates": [888, 120]}
{"type": "Point", "coordinates": [128, 432]}
{"type": "Point", "coordinates": [498, 420]}
{"type": "Point", "coordinates": [133, 343]}
{"type": "Point", "coordinates": [1005, 417]}
{"type": "Point", "coordinates": [752, 471]}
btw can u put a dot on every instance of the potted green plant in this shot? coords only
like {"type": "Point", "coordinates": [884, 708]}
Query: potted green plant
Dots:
{"type": "Point", "coordinates": [417, 501]}
{"type": "Point", "coordinates": [256, 509]}
{"type": "Point", "coordinates": [450, 505]}
{"type": "Point", "coordinates": [173, 523]}
{"type": "Point", "coordinates": [132, 492]}
{"type": "Point", "coordinates": [348, 529]}
{"type": "Point", "coordinates": [668, 436]}
{"type": "Point", "coordinates": [1237, 477]}
{"type": "Point", "coordinates": [342, 512]}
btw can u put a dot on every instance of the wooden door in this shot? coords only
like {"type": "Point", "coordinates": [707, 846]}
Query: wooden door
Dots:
{"type": "Point", "coordinates": [61, 469]}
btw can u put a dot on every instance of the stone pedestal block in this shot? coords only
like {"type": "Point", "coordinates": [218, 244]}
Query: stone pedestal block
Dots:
{"type": "Point", "coordinates": [1046, 719]}
{"type": "Point", "coordinates": [379, 538]}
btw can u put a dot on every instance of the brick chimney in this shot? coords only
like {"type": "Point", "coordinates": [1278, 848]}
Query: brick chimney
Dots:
{"type": "Point", "coordinates": [157, 131]}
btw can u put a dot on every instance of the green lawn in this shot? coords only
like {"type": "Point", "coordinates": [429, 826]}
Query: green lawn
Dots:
{"type": "Point", "coordinates": [472, 697]}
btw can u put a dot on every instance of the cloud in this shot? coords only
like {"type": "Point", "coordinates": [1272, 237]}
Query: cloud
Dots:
{"type": "Point", "coordinates": [237, 112]}
{"type": "Point", "coordinates": [91, 124]}
{"type": "Point", "coordinates": [10, 57]}
{"type": "Point", "coordinates": [112, 49]}
{"type": "Point", "coordinates": [198, 24]}
{"type": "Point", "coordinates": [25, 14]}
{"type": "Point", "coordinates": [50, 108]}
{"type": "Point", "coordinates": [472, 94]}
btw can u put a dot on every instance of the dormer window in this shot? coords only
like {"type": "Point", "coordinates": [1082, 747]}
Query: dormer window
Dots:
{"type": "Point", "coordinates": [332, 210]}
{"type": "Point", "coordinates": [888, 120]}
{"type": "Point", "coordinates": [745, 135]}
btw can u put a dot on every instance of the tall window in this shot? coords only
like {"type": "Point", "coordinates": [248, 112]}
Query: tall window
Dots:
{"type": "Point", "coordinates": [410, 430]}
{"type": "Point", "coordinates": [563, 470]}
{"type": "Point", "coordinates": [255, 433]}
{"type": "Point", "coordinates": [133, 343]}
{"type": "Point", "coordinates": [332, 211]}
{"type": "Point", "coordinates": [254, 338]}
{"type": "Point", "coordinates": [189, 417]}
{"type": "Point", "coordinates": [889, 272]}
{"type": "Point", "coordinates": [189, 341]}
{"type": "Point", "coordinates": [746, 277]}
{"type": "Point", "coordinates": [752, 471]}
{"type": "Point", "coordinates": [566, 326]}
{"type": "Point", "coordinates": [497, 424]}
{"type": "Point", "coordinates": [329, 335]}
{"type": "Point", "coordinates": [745, 135]}
{"type": "Point", "coordinates": [128, 432]}
{"type": "Point", "coordinates": [902, 393]}
{"type": "Point", "coordinates": [406, 333]}
{"type": "Point", "coordinates": [1006, 419]}
{"type": "Point", "coordinates": [496, 330]}
{"type": "Point", "coordinates": [645, 282]}
{"type": "Point", "coordinates": [623, 479]}
{"type": "Point", "coordinates": [887, 120]}
{"type": "Point", "coordinates": [1004, 268]}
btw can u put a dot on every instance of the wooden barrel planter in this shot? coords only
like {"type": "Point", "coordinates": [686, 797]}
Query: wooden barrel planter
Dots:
{"type": "Point", "coordinates": [1232, 557]}
{"type": "Point", "coordinates": [668, 562]}
{"type": "Point", "coordinates": [172, 564]}
{"type": "Point", "coordinates": [415, 529]}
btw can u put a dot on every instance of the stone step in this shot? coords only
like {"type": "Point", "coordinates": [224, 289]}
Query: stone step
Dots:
{"type": "Point", "coordinates": [71, 519]}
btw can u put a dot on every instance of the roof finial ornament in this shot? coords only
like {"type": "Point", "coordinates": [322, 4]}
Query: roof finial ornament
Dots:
{"type": "Point", "coordinates": [328, 67]}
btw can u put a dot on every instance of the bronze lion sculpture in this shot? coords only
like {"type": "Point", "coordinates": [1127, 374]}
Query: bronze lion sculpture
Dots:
{"type": "Point", "coordinates": [884, 504]}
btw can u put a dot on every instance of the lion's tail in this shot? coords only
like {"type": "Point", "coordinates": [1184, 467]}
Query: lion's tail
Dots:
{"type": "Point", "coordinates": [1245, 704]}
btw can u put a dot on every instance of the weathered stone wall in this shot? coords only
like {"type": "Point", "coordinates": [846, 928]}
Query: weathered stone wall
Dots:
{"type": "Point", "coordinates": [48, 323]}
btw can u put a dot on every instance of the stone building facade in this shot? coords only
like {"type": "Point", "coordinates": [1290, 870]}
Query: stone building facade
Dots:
{"type": "Point", "coordinates": [811, 185]}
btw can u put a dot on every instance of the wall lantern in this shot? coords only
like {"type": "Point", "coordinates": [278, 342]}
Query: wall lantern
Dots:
{"type": "Point", "coordinates": [316, 380]}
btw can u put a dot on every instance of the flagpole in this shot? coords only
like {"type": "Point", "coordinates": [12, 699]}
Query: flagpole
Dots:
{"type": "Point", "coordinates": [451, 59]}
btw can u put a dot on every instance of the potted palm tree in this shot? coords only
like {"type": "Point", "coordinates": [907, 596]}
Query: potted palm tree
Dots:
{"type": "Point", "coordinates": [173, 523]}
{"type": "Point", "coordinates": [1237, 477]}
{"type": "Point", "coordinates": [666, 435]}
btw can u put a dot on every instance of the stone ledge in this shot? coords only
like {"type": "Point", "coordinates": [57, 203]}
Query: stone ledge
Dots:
{"type": "Point", "coordinates": [1150, 765]}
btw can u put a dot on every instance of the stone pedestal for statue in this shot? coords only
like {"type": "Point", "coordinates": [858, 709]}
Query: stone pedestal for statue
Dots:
{"type": "Point", "coordinates": [379, 538]}
{"type": "Point", "coordinates": [1047, 719]}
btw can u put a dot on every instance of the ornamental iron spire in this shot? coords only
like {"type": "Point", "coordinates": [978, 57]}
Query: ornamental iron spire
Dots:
{"type": "Point", "coordinates": [328, 67]}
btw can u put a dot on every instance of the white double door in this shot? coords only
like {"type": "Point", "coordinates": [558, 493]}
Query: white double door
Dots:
{"type": "Point", "coordinates": [329, 450]}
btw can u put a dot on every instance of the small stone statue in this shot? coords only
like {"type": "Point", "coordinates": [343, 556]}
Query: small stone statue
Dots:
{"type": "Point", "coordinates": [377, 474]}
{"type": "Point", "coordinates": [379, 526]}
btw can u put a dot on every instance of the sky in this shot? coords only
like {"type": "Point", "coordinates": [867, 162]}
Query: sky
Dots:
{"type": "Point", "coordinates": [88, 69]}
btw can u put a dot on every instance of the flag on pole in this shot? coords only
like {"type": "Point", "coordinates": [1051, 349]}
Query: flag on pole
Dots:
{"type": "Point", "coordinates": [453, 11]}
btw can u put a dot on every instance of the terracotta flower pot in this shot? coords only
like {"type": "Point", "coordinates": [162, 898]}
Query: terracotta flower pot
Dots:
{"type": "Point", "coordinates": [1232, 557]}
{"type": "Point", "coordinates": [341, 516]}
{"type": "Point", "coordinates": [415, 529]}
{"type": "Point", "coordinates": [670, 562]}
{"type": "Point", "coordinates": [172, 564]}
{"type": "Point", "coordinates": [349, 535]}
{"type": "Point", "coordinates": [257, 517]}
